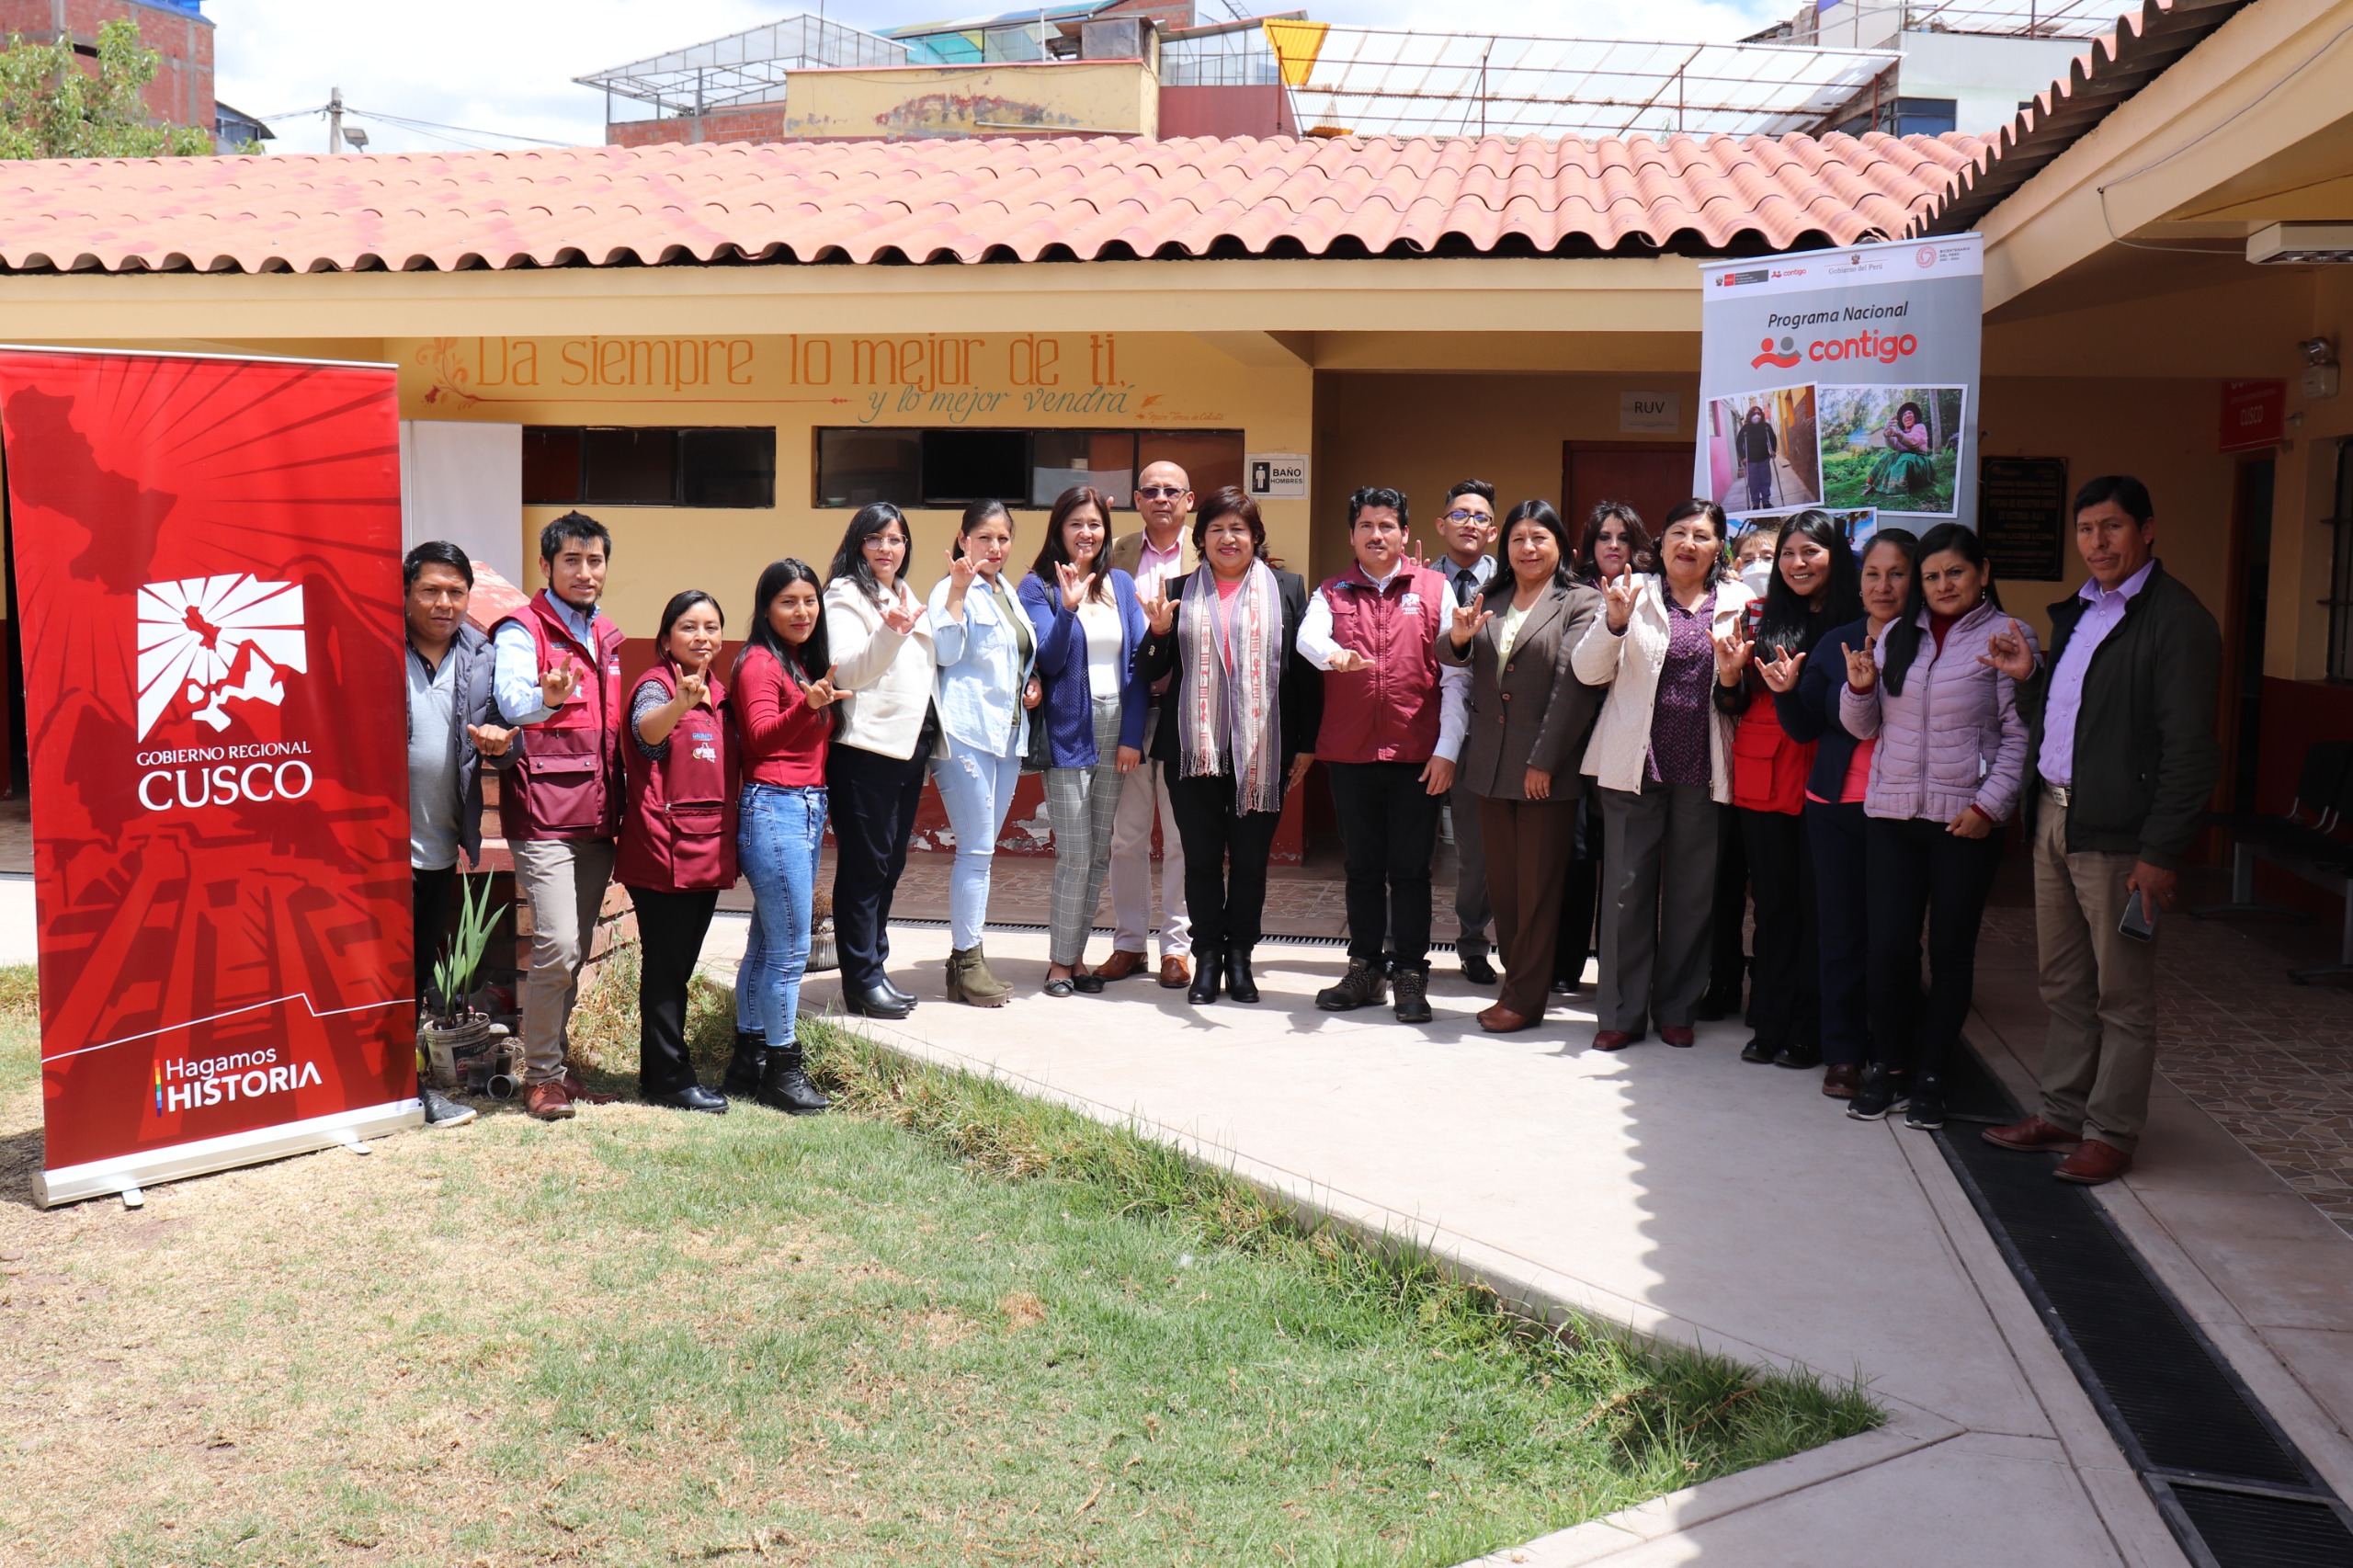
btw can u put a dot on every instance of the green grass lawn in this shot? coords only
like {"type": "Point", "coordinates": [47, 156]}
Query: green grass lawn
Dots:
{"type": "Point", "coordinates": [1846, 474]}
{"type": "Point", "coordinates": [947, 1325]}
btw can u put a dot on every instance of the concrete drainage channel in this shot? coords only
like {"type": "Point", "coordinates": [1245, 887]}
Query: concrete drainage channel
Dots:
{"type": "Point", "coordinates": [2232, 1486]}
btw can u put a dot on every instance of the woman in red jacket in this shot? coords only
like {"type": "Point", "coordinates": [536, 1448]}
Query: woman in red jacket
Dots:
{"type": "Point", "coordinates": [678, 842]}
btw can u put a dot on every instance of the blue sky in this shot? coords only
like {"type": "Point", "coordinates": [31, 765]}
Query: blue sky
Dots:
{"type": "Point", "coordinates": [507, 65]}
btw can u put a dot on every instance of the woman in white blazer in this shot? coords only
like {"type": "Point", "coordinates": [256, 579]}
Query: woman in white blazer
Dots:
{"type": "Point", "coordinates": [883, 661]}
{"type": "Point", "coordinates": [1661, 756]}
{"type": "Point", "coordinates": [987, 657]}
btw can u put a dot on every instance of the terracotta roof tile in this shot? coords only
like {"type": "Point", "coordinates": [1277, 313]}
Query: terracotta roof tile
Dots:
{"type": "Point", "coordinates": [969, 202]}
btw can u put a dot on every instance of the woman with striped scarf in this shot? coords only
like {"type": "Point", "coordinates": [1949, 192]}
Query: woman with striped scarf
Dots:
{"type": "Point", "coordinates": [1244, 706]}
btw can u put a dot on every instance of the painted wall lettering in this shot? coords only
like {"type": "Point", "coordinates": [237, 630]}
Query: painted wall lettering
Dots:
{"type": "Point", "coordinates": [672, 364]}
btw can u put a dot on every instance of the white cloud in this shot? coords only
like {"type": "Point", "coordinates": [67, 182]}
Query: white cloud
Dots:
{"type": "Point", "coordinates": [508, 66]}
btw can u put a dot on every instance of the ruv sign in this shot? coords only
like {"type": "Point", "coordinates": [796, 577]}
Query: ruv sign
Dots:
{"type": "Point", "coordinates": [208, 563]}
{"type": "Point", "coordinates": [1844, 380]}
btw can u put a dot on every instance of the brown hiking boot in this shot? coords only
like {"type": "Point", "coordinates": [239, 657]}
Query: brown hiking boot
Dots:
{"type": "Point", "coordinates": [550, 1101]}
{"type": "Point", "coordinates": [1365, 986]}
{"type": "Point", "coordinates": [968, 978]}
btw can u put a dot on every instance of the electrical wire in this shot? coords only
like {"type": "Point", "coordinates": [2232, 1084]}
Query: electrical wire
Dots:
{"type": "Point", "coordinates": [435, 125]}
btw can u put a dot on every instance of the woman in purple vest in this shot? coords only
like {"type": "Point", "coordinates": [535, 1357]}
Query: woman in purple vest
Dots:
{"type": "Point", "coordinates": [678, 843]}
{"type": "Point", "coordinates": [1087, 624]}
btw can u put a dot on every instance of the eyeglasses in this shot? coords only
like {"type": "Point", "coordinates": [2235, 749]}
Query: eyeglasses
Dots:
{"type": "Point", "coordinates": [1459, 515]}
{"type": "Point", "coordinates": [1159, 491]}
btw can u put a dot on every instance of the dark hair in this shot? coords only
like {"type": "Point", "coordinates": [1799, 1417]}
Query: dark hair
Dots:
{"type": "Point", "coordinates": [1683, 511]}
{"type": "Point", "coordinates": [811, 656]}
{"type": "Point", "coordinates": [1228, 502]}
{"type": "Point", "coordinates": [2121, 488]}
{"type": "Point", "coordinates": [1378, 496]}
{"type": "Point", "coordinates": [1918, 416]}
{"type": "Point", "coordinates": [849, 560]}
{"type": "Point", "coordinates": [1478, 487]}
{"type": "Point", "coordinates": [1540, 513]}
{"type": "Point", "coordinates": [574, 528]}
{"type": "Point", "coordinates": [1904, 540]}
{"type": "Point", "coordinates": [435, 552]}
{"type": "Point", "coordinates": [1056, 551]}
{"type": "Point", "coordinates": [1904, 636]}
{"type": "Point", "coordinates": [976, 514]}
{"type": "Point", "coordinates": [1791, 623]}
{"type": "Point", "coordinates": [1638, 547]}
{"type": "Point", "coordinates": [679, 604]}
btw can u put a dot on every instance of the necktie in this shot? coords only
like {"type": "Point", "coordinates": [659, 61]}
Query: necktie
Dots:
{"type": "Point", "coordinates": [1466, 583]}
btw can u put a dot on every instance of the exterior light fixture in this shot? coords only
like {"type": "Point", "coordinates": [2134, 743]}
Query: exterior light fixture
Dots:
{"type": "Point", "coordinates": [2301, 244]}
{"type": "Point", "coordinates": [356, 138]}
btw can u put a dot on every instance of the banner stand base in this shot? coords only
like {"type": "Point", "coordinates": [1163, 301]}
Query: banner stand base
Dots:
{"type": "Point", "coordinates": [130, 1173]}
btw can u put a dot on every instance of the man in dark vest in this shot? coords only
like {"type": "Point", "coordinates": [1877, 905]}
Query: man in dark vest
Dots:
{"type": "Point", "coordinates": [559, 671]}
{"type": "Point", "coordinates": [1394, 720]}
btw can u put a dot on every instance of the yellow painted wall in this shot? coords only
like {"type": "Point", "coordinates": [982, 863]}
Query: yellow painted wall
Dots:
{"type": "Point", "coordinates": [1423, 432]}
{"type": "Point", "coordinates": [1167, 382]}
{"type": "Point", "coordinates": [1118, 95]}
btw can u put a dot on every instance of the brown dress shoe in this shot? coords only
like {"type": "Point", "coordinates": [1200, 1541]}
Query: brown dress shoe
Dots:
{"type": "Point", "coordinates": [1122, 963]}
{"type": "Point", "coordinates": [1175, 972]}
{"type": "Point", "coordinates": [2032, 1134]}
{"type": "Point", "coordinates": [549, 1101]}
{"type": "Point", "coordinates": [1841, 1081]}
{"type": "Point", "coordinates": [2094, 1162]}
{"type": "Point", "coordinates": [1678, 1035]}
{"type": "Point", "coordinates": [1611, 1040]}
{"type": "Point", "coordinates": [1500, 1019]}
{"type": "Point", "coordinates": [582, 1092]}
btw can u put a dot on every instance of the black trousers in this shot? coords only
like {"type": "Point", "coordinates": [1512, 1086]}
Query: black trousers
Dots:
{"type": "Point", "coordinates": [1838, 835]}
{"type": "Point", "coordinates": [1728, 938]}
{"type": "Point", "coordinates": [1785, 987]}
{"type": "Point", "coordinates": [429, 899]}
{"type": "Point", "coordinates": [1388, 833]}
{"type": "Point", "coordinates": [1580, 893]}
{"type": "Point", "coordinates": [1919, 867]}
{"type": "Point", "coordinates": [670, 929]}
{"type": "Point", "coordinates": [870, 804]}
{"type": "Point", "coordinates": [1226, 863]}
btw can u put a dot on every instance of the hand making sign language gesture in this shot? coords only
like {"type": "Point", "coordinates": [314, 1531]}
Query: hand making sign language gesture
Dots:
{"type": "Point", "coordinates": [1863, 670]}
{"type": "Point", "coordinates": [1076, 585]}
{"type": "Point", "coordinates": [1734, 647]}
{"type": "Point", "coordinates": [1781, 674]}
{"type": "Point", "coordinates": [1618, 596]}
{"type": "Point", "coordinates": [903, 617]}
{"type": "Point", "coordinates": [961, 570]}
{"type": "Point", "coordinates": [1159, 610]}
{"type": "Point", "coordinates": [2007, 653]}
{"type": "Point", "coordinates": [694, 686]}
{"type": "Point", "coordinates": [821, 694]}
{"type": "Point", "coordinates": [556, 685]}
{"type": "Point", "coordinates": [1469, 621]}
{"type": "Point", "coordinates": [489, 739]}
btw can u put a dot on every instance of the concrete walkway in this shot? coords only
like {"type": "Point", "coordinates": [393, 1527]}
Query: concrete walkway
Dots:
{"type": "Point", "coordinates": [1703, 1201]}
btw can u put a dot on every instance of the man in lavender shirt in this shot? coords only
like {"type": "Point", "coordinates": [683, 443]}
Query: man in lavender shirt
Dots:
{"type": "Point", "coordinates": [2125, 755]}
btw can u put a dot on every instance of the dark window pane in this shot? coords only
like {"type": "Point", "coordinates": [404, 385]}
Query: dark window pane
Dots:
{"type": "Point", "coordinates": [962, 466]}
{"type": "Point", "coordinates": [551, 465]}
{"type": "Point", "coordinates": [632, 467]}
{"type": "Point", "coordinates": [1104, 459]}
{"type": "Point", "coordinates": [730, 468]}
{"type": "Point", "coordinates": [855, 467]}
{"type": "Point", "coordinates": [1211, 458]}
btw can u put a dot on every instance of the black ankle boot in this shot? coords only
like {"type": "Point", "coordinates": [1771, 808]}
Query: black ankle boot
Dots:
{"type": "Point", "coordinates": [785, 1086]}
{"type": "Point", "coordinates": [742, 1079]}
{"type": "Point", "coordinates": [1240, 983]}
{"type": "Point", "coordinates": [1208, 966]}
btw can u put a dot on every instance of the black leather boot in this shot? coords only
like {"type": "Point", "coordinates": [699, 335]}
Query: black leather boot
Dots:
{"type": "Point", "coordinates": [1205, 967]}
{"type": "Point", "coordinates": [742, 1079]}
{"type": "Point", "coordinates": [785, 1086]}
{"type": "Point", "coordinates": [1240, 983]}
{"type": "Point", "coordinates": [874, 1002]}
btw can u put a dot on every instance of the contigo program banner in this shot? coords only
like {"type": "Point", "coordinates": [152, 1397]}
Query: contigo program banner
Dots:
{"type": "Point", "coordinates": [1844, 380]}
{"type": "Point", "coordinates": [208, 566]}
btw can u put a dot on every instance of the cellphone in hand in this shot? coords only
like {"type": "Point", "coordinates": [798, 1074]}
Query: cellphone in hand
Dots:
{"type": "Point", "coordinates": [2138, 923]}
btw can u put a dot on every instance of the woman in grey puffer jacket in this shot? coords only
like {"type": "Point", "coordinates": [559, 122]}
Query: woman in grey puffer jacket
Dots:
{"type": "Point", "coordinates": [1948, 771]}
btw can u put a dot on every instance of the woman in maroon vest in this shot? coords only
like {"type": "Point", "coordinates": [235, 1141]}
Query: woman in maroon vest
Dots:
{"type": "Point", "coordinates": [678, 848]}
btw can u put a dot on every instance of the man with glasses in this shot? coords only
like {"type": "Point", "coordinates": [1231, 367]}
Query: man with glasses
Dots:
{"type": "Point", "coordinates": [1468, 526]}
{"type": "Point", "coordinates": [1158, 553]}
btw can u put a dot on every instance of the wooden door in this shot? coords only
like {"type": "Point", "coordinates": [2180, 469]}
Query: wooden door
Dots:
{"type": "Point", "coordinates": [1649, 476]}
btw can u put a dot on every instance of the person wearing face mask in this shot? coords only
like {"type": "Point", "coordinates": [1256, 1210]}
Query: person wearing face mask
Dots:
{"type": "Point", "coordinates": [1949, 768]}
{"type": "Point", "coordinates": [1812, 588]}
{"type": "Point", "coordinates": [1729, 966]}
{"type": "Point", "coordinates": [1756, 446]}
{"type": "Point", "coordinates": [1833, 805]}
{"type": "Point", "coordinates": [677, 841]}
{"type": "Point", "coordinates": [1661, 755]}
{"type": "Point", "coordinates": [1614, 542]}
{"type": "Point", "coordinates": [987, 687]}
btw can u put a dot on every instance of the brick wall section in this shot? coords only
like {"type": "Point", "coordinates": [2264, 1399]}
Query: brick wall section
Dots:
{"type": "Point", "coordinates": [182, 90]}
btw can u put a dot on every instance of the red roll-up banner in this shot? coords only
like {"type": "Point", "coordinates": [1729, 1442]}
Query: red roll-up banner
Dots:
{"type": "Point", "coordinates": [207, 568]}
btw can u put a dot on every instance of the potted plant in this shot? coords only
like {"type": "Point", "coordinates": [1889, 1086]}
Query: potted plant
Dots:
{"type": "Point", "coordinates": [454, 1029]}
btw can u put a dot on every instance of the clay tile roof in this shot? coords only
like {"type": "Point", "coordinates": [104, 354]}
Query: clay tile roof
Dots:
{"type": "Point", "coordinates": [972, 201]}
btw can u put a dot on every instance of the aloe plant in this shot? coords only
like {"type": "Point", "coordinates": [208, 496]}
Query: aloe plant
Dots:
{"type": "Point", "coordinates": [456, 973]}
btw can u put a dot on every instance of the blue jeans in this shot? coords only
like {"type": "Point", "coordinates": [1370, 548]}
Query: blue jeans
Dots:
{"type": "Point", "coordinates": [977, 790]}
{"type": "Point", "coordinates": [778, 839]}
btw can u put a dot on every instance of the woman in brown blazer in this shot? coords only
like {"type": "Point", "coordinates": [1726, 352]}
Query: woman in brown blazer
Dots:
{"type": "Point", "coordinates": [1529, 717]}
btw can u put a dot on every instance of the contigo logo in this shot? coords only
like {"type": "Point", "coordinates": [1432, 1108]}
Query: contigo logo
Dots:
{"type": "Point", "coordinates": [211, 640]}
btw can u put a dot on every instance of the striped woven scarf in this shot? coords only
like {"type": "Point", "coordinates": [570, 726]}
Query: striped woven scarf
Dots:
{"type": "Point", "coordinates": [1230, 722]}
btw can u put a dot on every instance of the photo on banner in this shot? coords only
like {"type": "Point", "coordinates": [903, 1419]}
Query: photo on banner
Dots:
{"type": "Point", "coordinates": [1762, 454]}
{"type": "Point", "coordinates": [1897, 449]}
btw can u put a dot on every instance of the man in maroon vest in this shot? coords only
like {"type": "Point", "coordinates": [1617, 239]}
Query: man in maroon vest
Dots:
{"type": "Point", "coordinates": [559, 671]}
{"type": "Point", "coordinates": [1394, 721]}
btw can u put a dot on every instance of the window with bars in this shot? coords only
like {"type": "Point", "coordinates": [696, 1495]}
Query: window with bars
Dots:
{"type": "Point", "coordinates": [952, 468]}
{"type": "Point", "coordinates": [716, 467]}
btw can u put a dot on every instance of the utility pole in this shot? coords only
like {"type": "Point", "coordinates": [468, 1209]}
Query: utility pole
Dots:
{"type": "Point", "coordinates": [334, 120]}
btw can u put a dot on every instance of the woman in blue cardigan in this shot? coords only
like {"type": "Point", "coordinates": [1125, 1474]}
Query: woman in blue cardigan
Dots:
{"type": "Point", "coordinates": [1089, 625]}
{"type": "Point", "coordinates": [1805, 698]}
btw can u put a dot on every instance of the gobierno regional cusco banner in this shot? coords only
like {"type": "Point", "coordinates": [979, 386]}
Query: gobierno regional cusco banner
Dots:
{"type": "Point", "coordinates": [207, 568]}
{"type": "Point", "coordinates": [1844, 380]}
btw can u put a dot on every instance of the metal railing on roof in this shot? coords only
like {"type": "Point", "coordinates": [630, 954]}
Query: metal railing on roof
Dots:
{"type": "Point", "coordinates": [744, 68]}
{"type": "Point", "coordinates": [2015, 18]}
